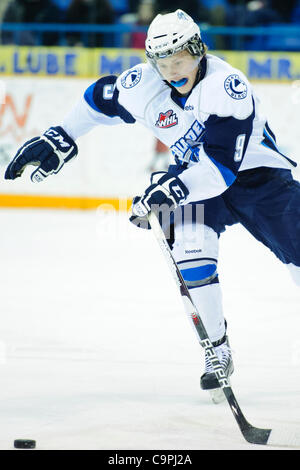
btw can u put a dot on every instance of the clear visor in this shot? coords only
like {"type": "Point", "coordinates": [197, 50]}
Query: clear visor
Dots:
{"type": "Point", "coordinates": [177, 65]}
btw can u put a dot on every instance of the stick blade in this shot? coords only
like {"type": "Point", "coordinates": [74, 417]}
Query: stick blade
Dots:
{"type": "Point", "coordinates": [256, 435]}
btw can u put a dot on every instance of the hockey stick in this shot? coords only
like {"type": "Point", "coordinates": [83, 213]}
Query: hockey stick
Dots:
{"type": "Point", "coordinates": [251, 434]}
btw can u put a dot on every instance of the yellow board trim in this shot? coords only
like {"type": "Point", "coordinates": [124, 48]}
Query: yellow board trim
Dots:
{"type": "Point", "coordinates": [64, 202]}
{"type": "Point", "coordinates": [72, 62]}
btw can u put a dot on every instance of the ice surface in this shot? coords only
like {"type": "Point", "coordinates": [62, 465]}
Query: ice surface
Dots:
{"type": "Point", "coordinates": [97, 353]}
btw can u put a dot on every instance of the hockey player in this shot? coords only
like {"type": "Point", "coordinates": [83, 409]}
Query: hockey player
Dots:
{"type": "Point", "coordinates": [226, 158]}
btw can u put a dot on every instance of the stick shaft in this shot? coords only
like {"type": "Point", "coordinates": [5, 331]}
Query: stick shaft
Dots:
{"type": "Point", "coordinates": [250, 433]}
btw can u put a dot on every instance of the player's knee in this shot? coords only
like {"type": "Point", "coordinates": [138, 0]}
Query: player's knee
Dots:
{"type": "Point", "coordinates": [199, 273]}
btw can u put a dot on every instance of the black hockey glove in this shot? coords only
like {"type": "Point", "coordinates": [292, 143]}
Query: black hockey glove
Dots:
{"type": "Point", "coordinates": [166, 192]}
{"type": "Point", "coordinates": [48, 152]}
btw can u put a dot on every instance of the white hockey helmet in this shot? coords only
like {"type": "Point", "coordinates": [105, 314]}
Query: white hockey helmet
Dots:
{"type": "Point", "coordinates": [171, 33]}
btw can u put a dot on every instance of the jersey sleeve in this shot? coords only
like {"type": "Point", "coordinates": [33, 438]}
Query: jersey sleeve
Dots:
{"type": "Point", "coordinates": [228, 121]}
{"type": "Point", "coordinates": [225, 143]}
{"type": "Point", "coordinates": [220, 156]}
{"type": "Point", "coordinates": [99, 105]}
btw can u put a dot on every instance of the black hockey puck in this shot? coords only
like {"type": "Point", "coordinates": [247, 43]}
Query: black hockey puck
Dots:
{"type": "Point", "coordinates": [24, 444]}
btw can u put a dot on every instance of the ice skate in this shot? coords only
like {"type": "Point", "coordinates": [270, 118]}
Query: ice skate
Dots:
{"type": "Point", "coordinates": [208, 380]}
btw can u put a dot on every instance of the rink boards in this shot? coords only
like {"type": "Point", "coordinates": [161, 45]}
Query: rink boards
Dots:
{"type": "Point", "coordinates": [113, 160]}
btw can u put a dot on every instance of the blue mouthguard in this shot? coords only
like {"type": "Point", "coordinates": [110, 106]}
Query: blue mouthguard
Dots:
{"type": "Point", "coordinates": [180, 82]}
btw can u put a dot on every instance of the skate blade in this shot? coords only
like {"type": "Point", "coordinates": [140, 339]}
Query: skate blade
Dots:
{"type": "Point", "coordinates": [217, 395]}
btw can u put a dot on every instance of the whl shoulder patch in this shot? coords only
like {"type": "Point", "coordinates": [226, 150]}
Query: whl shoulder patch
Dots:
{"type": "Point", "coordinates": [235, 87]}
{"type": "Point", "coordinates": [131, 78]}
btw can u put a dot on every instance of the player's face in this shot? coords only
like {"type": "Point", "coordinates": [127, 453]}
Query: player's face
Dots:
{"type": "Point", "coordinates": [180, 70]}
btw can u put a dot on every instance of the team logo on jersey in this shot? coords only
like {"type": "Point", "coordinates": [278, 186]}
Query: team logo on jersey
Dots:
{"type": "Point", "coordinates": [187, 148]}
{"type": "Point", "coordinates": [165, 120]}
{"type": "Point", "coordinates": [235, 87]}
{"type": "Point", "coordinates": [131, 78]}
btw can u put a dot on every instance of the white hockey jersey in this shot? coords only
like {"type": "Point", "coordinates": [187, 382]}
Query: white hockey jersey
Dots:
{"type": "Point", "coordinates": [214, 133]}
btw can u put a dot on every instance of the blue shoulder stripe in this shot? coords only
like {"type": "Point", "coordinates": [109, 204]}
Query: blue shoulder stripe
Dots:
{"type": "Point", "coordinates": [88, 96]}
{"type": "Point", "coordinates": [102, 96]}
